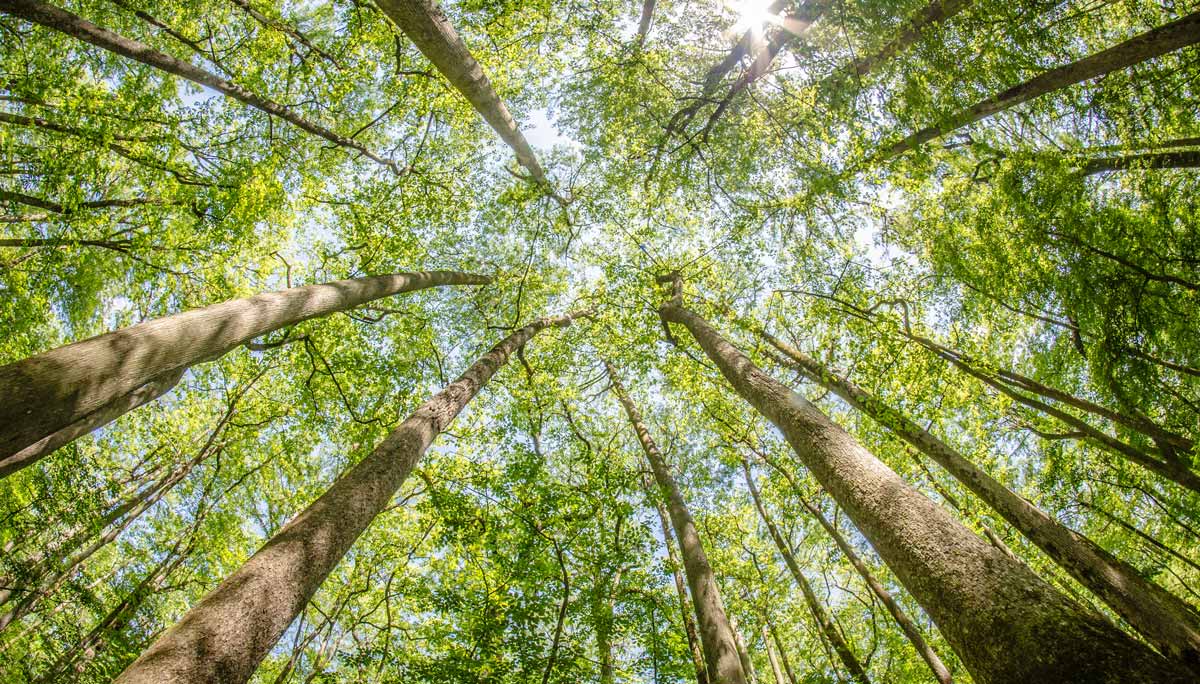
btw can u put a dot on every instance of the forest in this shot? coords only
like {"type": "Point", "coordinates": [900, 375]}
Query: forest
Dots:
{"type": "Point", "coordinates": [639, 341]}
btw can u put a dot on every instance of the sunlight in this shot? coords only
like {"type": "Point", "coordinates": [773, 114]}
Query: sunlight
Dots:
{"type": "Point", "coordinates": [752, 14]}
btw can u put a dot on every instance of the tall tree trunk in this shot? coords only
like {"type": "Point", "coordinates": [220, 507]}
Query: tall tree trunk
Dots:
{"type": "Point", "coordinates": [716, 634]}
{"type": "Point", "coordinates": [820, 615]}
{"type": "Point", "coordinates": [60, 20]}
{"type": "Point", "coordinates": [48, 392]}
{"type": "Point", "coordinates": [224, 636]}
{"type": "Point", "coordinates": [940, 672]}
{"type": "Point", "coordinates": [1183, 159]}
{"type": "Point", "coordinates": [1165, 620]}
{"type": "Point", "coordinates": [743, 652]}
{"type": "Point", "coordinates": [1006, 623]}
{"type": "Point", "coordinates": [689, 623]}
{"type": "Point", "coordinates": [1154, 43]}
{"type": "Point", "coordinates": [776, 670]}
{"type": "Point", "coordinates": [91, 422]}
{"type": "Point", "coordinates": [427, 26]}
{"type": "Point", "coordinates": [783, 656]}
{"type": "Point", "coordinates": [644, 23]}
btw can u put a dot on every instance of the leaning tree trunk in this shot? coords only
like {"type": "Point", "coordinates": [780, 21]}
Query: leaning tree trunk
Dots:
{"type": "Point", "coordinates": [1154, 43]}
{"type": "Point", "coordinates": [1006, 623]}
{"type": "Point", "coordinates": [940, 672]}
{"type": "Point", "coordinates": [689, 623]}
{"type": "Point", "coordinates": [426, 25]}
{"type": "Point", "coordinates": [46, 393]}
{"type": "Point", "coordinates": [716, 633]}
{"type": "Point", "coordinates": [1183, 159]}
{"type": "Point", "coordinates": [223, 638]}
{"type": "Point", "coordinates": [1166, 621]}
{"type": "Point", "coordinates": [60, 20]}
{"type": "Point", "coordinates": [824, 621]}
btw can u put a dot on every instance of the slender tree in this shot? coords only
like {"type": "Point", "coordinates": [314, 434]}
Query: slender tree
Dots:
{"type": "Point", "coordinates": [1005, 622]}
{"type": "Point", "coordinates": [61, 388]}
{"type": "Point", "coordinates": [60, 20]}
{"type": "Point", "coordinates": [224, 636]}
{"type": "Point", "coordinates": [716, 633]}
{"type": "Point", "coordinates": [824, 621]}
{"type": "Point", "coordinates": [427, 26]}
{"type": "Point", "coordinates": [1154, 43]}
{"type": "Point", "coordinates": [1164, 619]}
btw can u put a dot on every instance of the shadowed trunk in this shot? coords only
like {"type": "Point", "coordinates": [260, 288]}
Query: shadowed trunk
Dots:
{"type": "Point", "coordinates": [689, 623]}
{"type": "Point", "coordinates": [716, 633]}
{"type": "Point", "coordinates": [1005, 622]}
{"type": "Point", "coordinates": [46, 393]}
{"type": "Point", "coordinates": [820, 615]}
{"type": "Point", "coordinates": [1183, 159]}
{"type": "Point", "coordinates": [222, 639]}
{"type": "Point", "coordinates": [940, 672]}
{"type": "Point", "coordinates": [1165, 620]}
{"type": "Point", "coordinates": [60, 20]}
{"type": "Point", "coordinates": [1154, 43]}
{"type": "Point", "coordinates": [426, 25]}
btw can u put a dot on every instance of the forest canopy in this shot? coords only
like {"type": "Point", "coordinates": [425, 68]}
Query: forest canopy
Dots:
{"type": "Point", "coordinates": [713, 341]}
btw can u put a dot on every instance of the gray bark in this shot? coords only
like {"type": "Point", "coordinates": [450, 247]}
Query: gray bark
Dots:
{"type": "Point", "coordinates": [222, 639]}
{"type": "Point", "coordinates": [716, 633]}
{"type": "Point", "coordinates": [1165, 620]}
{"type": "Point", "coordinates": [427, 26]}
{"type": "Point", "coordinates": [48, 392]}
{"type": "Point", "coordinates": [1154, 43]}
{"type": "Point", "coordinates": [1005, 622]}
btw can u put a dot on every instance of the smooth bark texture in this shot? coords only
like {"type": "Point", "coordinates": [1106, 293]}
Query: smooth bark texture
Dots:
{"type": "Point", "coordinates": [48, 392]}
{"type": "Point", "coordinates": [776, 670]}
{"type": "Point", "coordinates": [90, 422]}
{"type": "Point", "coordinates": [60, 20]}
{"type": "Point", "coordinates": [689, 622]}
{"type": "Point", "coordinates": [223, 638]}
{"type": "Point", "coordinates": [1005, 622]}
{"type": "Point", "coordinates": [1154, 43]}
{"type": "Point", "coordinates": [940, 672]}
{"type": "Point", "coordinates": [1166, 621]}
{"type": "Point", "coordinates": [820, 615]}
{"type": "Point", "coordinates": [426, 25]}
{"type": "Point", "coordinates": [716, 633]}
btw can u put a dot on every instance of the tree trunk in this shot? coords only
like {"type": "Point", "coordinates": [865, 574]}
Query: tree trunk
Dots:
{"type": "Point", "coordinates": [223, 638]}
{"type": "Point", "coordinates": [743, 653]}
{"type": "Point", "coordinates": [426, 25]}
{"type": "Point", "coordinates": [1183, 159]}
{"type": "Point", "coordinates": [716, 634]}
{"type": "Point", "coordinates": [1154, 43]}
{"type": "Point", "coordinates": [783, 657]}
{"type": "Point", "coordinates": [689, 623]}
{"type": "Point", "coordinates": [48, 392]}
{"type": "Point", "coordinates": [60, 20]}
{"type": "Point", "coordinates": [91, 422]}
{"type": "Point", "coordinates": [1166, 621]}
{"type": "Point", "coordinates": [1006, 623]}
{"type": "Point", "coordinates": [776, 670]}
{"type": "Point", "coordinates": [940, 672]}
{"type": "Point", "coordinates": [820, 615]}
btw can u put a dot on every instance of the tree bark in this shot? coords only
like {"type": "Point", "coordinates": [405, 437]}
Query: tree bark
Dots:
{"type": "Point", "coordinates": [824, 622]}
{"type": "Point", "coordinates": [223, 638]}
{"type": "Point", "coordinates": [776, 670]}
{"type": "Point", "coordinates": [940, 672]}
{"type": "Point", "coordinates": [60, 20]}
{"type": "Point", "coordinates": [1005, 622]}
{"type": "Point", "coordinates": [689, 623]}
{"type": "Point", "coordinates": [783, 657]}
{"type": "Point", "coordinates": [51, 391]}
{"type": "Point", "coordinates": [716, 633]}
{"type": "Point", "coordinates": [1166, 621]}
{"type": "Point", "coordinates": [427, 26]}
{"type": "Point", "coordinates": [1154, 43]}
{"type": "Point", "coordinates": [91, 422]}
{"type": "Point", "coordinates": [1183, 159]}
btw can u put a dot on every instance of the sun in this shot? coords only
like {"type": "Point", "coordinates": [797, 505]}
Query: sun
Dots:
{"type": "Point", "coordinates": [752, 14]}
